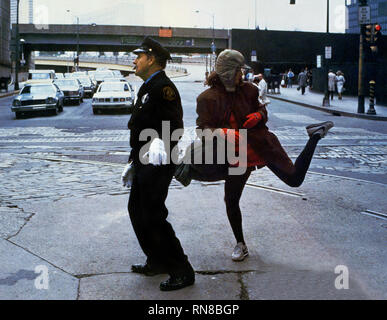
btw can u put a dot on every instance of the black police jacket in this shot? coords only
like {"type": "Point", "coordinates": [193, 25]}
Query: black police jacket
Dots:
{"type": "Point", "coordinates": [157, 100]}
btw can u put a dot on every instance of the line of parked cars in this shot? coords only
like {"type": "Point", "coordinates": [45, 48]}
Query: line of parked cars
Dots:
{"type": "Point", "coordinates": [48, 91]}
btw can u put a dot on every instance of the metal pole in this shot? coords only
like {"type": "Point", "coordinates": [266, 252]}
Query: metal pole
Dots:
{"type": "Point", "coordinates": [213, 32]}
{"type": "Point", "coordinates": [371, 109]}
{"type": "Point", "coordinates": [17, 48]}
{"type": "Point", "coordinates": [326, 102]}
{"type": "Point", "coordinates": [77, 67]}
{"type": "Point", "coordinates": [327, 16]}
{"type": "Point", "coordinates": [361, 76]}
{"type": "Point", "coordinates": [255, 26]}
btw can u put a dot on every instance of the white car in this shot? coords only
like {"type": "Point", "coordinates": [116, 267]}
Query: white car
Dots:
{"type": "Point", "coordinates": [122, 79]}
{"type": "Point", "coordinates": [99, 76]}
{"type": "Point", "coordinates": [113, 96]}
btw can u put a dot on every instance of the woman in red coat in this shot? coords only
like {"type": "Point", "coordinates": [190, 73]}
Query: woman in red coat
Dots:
{"type": "Point", "coordinates": [231, 104]}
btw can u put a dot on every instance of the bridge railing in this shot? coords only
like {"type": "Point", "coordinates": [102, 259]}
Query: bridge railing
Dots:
{"type": "Point", "coordinates": [125, 60]}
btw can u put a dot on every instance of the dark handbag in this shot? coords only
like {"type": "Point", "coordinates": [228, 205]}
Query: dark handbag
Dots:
{"type": "Point", "coordinates": [193, 165]}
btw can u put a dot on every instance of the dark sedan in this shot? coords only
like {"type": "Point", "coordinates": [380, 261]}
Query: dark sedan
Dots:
{"type": "Point", "coordinates": [72, 89]}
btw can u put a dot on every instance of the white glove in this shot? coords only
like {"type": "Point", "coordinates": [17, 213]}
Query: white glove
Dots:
{"type": "Point", "coordinates": [127, 175]}
{"type": "Point", "coordinates": [156, 153]}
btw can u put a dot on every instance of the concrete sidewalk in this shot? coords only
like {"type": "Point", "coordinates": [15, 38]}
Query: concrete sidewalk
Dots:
{"type": "Point", "coordinates": [345, 107]}
{"type": "Point", "coordinates": [297, 238]}
{"type": "Point", "coordinates": [11, 91]}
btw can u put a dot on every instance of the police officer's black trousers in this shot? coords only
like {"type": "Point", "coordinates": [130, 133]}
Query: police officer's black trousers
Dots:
{"type": "Point", "coordinates": [148, 214]}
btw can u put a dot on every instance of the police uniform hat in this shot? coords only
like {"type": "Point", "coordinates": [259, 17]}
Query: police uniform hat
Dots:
{"type": "Point", "coordinates": [153, 47]}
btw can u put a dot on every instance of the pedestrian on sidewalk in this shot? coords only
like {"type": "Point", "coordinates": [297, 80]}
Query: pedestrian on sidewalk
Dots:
{"type": "Point", "coordinates": [157, 100]}
{"type": "Point", "coordinates": [283, 80]}
{"type": "Point", "coordinates": [340, 80]}
{"type": "Point", "coordinates": [331, 84]}
{"type": "Point", "coordinates": [231, 104]}
{"type": "Point", "coordinates": [310, 79]}
{"type": "Point", "coordinates": [302, 81]}
{"type": "Point", "coordinates": [290, 78]}
{"type": "Point", "coordinates": [262, 89]}
{"type": "Point", "coordinates": [205, 83]}
{"type": "Point", "coordinates": [250, 76]}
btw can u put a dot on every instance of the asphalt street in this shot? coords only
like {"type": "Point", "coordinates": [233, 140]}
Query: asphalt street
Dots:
{"type": "Point", "coordinates": [354, 148]}
{"type": "Point", "coordinates": [61, 189]}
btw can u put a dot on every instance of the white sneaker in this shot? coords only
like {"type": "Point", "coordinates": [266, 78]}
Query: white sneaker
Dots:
{"type": "Point", "coordinates": [322, 127]}
{"type": "Point", "coordinates": [240, 252]}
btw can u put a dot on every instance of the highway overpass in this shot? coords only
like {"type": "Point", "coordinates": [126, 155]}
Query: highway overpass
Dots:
{"type": "Point", "coordinates": [120, 38]}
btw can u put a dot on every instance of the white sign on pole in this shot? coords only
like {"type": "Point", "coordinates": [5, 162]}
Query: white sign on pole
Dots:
{"type": "Point", "coordinates": [364, 15]}
{"type": "Point", "coordinates": [318, 63]}
{"type": "Point", "coordinates": [328, 52]}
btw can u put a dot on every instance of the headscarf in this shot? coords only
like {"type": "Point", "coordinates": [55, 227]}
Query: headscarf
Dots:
{"type": "Point", "coordinates": [227, 64]}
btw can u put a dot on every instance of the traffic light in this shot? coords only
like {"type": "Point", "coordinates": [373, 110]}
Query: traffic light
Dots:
{"type": "Point", "coordinates": [373, 35]}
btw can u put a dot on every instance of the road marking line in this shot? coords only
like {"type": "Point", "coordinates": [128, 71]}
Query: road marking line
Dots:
{"type": "Point", "coordinates": [347, 178]}
{"type": "Point", "coordinates": [75, 161]}
{"type": "Point", "coordinates": [272, 189]}
{"type": "Point", "coordinates": [375, 214]}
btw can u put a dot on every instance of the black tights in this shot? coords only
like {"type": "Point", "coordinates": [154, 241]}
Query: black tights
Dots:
{"type": "Point", "coordinates": [292, 175]}
{"type": "Point", "coordinates": [233, 188]}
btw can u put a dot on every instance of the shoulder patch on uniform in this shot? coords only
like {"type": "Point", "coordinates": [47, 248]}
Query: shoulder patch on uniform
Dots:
{"type": "Point", "coordinates": [169, 94]}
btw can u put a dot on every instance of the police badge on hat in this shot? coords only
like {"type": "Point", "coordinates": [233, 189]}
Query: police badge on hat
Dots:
{"type": "Point", "coordinates": [145, 98]}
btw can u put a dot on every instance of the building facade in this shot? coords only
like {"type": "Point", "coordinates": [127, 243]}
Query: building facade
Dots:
{"type": "Point", "coordinates": [5, 61]}
{"type": "Point", "coordinates": [378, 15]}
{"type": "Point", "coordinates": [26, 11]}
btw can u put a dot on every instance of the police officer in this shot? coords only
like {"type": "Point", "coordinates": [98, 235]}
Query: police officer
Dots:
{"type": "Point", "coordinates": [150, 170]}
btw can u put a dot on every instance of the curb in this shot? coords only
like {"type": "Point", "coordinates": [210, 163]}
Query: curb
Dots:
{"type": "Point", "coordinates": [7, 94]}
{"type": "Point", "coordinates": [335, 112]}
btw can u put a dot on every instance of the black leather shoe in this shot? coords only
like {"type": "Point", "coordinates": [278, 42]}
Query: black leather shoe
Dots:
{"type": "Point", "coordinates": [146, 270]}
{"type": "Point", "coordinates": [177, 282]}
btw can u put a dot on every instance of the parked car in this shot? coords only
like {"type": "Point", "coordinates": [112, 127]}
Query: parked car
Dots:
{"type": "Point", "coordinates": [91, 74]}
{"type": "Point", "coordinates": [88, 86]}
{"type": "Point", "coordinates": [77, 74]}
{"type": "Point", "coordinates": [113, 95]}
{"type": "Point", "coordinates": [72, 89]}
{"type": "Point", "coordinates": [117, 74]}
{"type": "Point", "coordinates": [38, 97]}
{"type": "Point", "coordinates": [122, 79]}
{"type": "Point", "coordinates": [101, 75]}
{"type": "Point", "coordinates": [40, 76]}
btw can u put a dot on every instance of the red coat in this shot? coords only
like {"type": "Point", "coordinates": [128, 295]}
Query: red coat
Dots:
{"type": "Point", "coordinates": [214, 107]}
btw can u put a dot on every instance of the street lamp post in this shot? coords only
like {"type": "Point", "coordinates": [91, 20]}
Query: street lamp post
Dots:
{"type": "Point", "coordinates": [77, 66]}
{"type": "Point", "coordinates": [213, 29]}
{"type": "Point", "coordinates": [213, 48]}
{"type": "Point", "coordinates": [17, 47]}
{"type": "Point", "coordinates": [327, 16]}
{"type": "Point", "coordinates": [325, 101]}
{"type": "Point", "coordinates": [76, 58]}
{"type": "Point", "coordinates": [22, 61]}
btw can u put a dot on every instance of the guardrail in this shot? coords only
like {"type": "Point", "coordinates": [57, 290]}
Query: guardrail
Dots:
{"type": "Point", "coordinates": [127, 61]}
